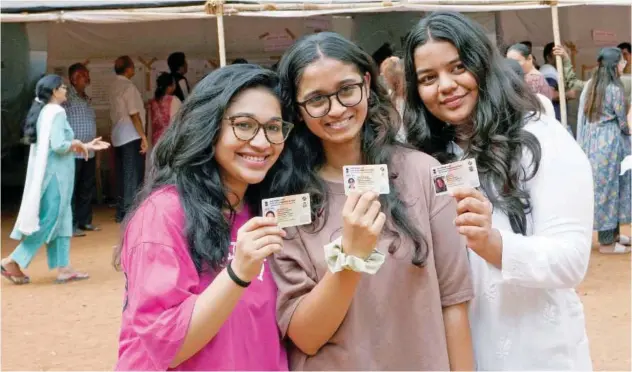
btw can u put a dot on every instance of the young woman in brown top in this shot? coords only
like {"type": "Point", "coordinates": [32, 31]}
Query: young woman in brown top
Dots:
{"type": "Point", "coordinates": [412, 313]}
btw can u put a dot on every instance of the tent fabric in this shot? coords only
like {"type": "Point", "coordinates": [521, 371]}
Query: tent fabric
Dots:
{"type": "Point", "coordinates": [119, 11]}
{"type": "Point", "coordinates": [15, 6]}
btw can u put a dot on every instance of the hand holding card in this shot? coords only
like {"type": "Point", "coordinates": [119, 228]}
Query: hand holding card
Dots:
{"type": "Point", "coordinates": [362, 224]}
{"type": "Point", "coordinates": [474, 222]}
{"type": "Point", "coordinates": [256, 239]}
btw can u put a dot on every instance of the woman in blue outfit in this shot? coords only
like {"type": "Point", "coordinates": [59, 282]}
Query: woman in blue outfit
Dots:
{"type": "Point", "coordinates": [45, 215]}
{"type": "Point", "coordinates": [604, 135]}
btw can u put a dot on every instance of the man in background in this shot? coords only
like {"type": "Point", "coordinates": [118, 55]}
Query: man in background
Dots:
{"type": "Point", "coordinates": [83, 122]}
{"type": "Point", "coordinates": [127, 113]}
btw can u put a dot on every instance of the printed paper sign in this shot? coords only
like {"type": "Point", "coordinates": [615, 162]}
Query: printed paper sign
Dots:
{"type": "Point", "coordinates": [458, 174]}
{"type": "Point", "coordinates": [362, 178]}
{"type": "Point", "coordinates": [293, 210]}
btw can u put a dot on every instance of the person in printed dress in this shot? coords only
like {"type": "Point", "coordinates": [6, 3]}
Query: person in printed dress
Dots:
{"type": "Point", "coordinates": [604, 135]}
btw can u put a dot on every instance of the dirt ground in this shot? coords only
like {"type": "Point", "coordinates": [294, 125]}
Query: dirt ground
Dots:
{"type": "Point", "coordinates": [75, 326]}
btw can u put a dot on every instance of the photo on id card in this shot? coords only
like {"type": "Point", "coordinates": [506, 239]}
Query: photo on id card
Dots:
{"type": "Point", "coordinates": [454, 175]}
{"type": "Point", "coordinates": [289, 211]}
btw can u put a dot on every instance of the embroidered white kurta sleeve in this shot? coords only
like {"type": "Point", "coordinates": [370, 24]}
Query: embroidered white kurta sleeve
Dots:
{"type": "Point", "coordinates": [556, 253]}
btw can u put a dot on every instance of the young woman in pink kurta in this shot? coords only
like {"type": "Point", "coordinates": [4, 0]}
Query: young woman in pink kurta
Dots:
{"type": "Point", "coordinates": [198, 293]}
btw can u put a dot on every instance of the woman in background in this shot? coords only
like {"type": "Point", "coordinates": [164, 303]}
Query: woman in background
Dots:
{"type": "Point", "coordinates": [45, 215]}
{"type": "Point", "coordinates": [392, 70]}
{"type": "Point", "coordinates": [604, 135]}
{"type": "Point", "coordinates": [163, 106]}
{"type": "Point", "coordinates": [533, 77]}
{"type": "Point", "coordinates": [547, 105]}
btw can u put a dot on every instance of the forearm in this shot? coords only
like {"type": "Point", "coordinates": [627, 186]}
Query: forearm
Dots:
{"type": "Point", "coordinates": [320, 313]}
{"type": "Point", "coordinates": [493, 252]}
{"type": "Point", "coordinates": [458, 337]}
{"type": "Point", "coordinates": [212, 308]}
{"type": "Point", "coordinates": [138, 125]}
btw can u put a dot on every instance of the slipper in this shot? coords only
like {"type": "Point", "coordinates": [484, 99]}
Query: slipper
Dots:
{"type": "Point", "coordinates": [72, 278]}
{"type": "Point", "coordinates": [625, 240]}
{"type": "Point", "coordinates": [15, 279]}
{"type": "Point", "coordinates": [618, 249]}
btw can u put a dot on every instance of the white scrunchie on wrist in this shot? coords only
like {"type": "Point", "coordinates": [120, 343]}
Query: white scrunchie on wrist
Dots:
{"type": "Point", "coordinates": [338, 261]}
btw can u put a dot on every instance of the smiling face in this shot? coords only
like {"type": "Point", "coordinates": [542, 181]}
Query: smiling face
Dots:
{"type": "Point", "coordinates": [326, 76]}
{"type": "Point", "coordinates": [446, 88]}
{"type": "Point", "coordinates": [247, 162]}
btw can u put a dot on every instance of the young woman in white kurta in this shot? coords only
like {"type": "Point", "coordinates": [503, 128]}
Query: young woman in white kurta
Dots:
{"type": "Point", "coordinates": [529, 226]}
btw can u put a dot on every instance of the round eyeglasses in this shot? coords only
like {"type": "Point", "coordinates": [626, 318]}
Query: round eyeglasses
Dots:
{"type": "Point", "coordinates": [348, 95]}
{"type": "Point", "coordinates": [246, 128]}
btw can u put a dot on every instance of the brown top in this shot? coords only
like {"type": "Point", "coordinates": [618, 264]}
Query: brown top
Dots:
{"type": "Point", "coordinates": [395, 320]}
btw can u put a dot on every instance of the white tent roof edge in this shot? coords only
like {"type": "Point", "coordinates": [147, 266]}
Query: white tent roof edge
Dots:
{"type": "Point", "coordinates": [173, 10]}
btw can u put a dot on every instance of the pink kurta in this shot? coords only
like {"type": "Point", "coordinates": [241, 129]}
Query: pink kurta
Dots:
{"type": "Point", "coordinates": [162, 286]}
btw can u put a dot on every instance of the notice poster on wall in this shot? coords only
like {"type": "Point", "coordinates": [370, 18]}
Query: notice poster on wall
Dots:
{"type": "Point", "coordinates": [277, 41]}
{"type": "Point", "coordinates": [317, 24]}
{"type": "Point", "coordinates": [101, 77]}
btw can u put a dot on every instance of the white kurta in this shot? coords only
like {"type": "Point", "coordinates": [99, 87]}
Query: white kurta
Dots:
{"type": "Point", "coordinates": [528, 316]}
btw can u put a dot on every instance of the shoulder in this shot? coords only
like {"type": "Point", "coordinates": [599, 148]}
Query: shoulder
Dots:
{"type": "Point", "coordinates": [405, 159]}
{"type": "Point", "coordinates": [413, 171]}
{"type": "Point", "coordinates": [52, 112]}
{"type": "Point", "coordinates": [615, 89]}
{"type": "Point", "coordinates": [158, 219]}
{"type": "Point", "coordinates": [558, 147]}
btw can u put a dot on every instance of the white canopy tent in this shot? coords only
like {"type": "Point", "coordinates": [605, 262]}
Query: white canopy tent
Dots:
{"type": "Point", "coordinates": [128, 16]}
{"type": "Point", "coordinates": [99, 31]}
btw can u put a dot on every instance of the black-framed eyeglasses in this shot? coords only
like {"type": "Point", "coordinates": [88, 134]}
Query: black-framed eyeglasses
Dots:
{"type": "Point", "coordinates": [246, 128]}
{"type": "Point", "coordinates": [348, 95]}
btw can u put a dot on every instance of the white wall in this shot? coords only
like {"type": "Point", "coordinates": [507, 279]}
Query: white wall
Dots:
{"type": "Point", "coordinates": [372, 30]}
{"type": "Point", "coordinates": [196, 38]}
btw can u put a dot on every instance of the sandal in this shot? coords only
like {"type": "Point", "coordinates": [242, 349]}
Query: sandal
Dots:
{"type": "Point", "coordinates": [617, 248]}
{"type": "Point", "coordinates": [625, 240]}
{"type": "Point", "coordinates": [76, 276]}
{"type": "Point", "coordinates": [18, 279]}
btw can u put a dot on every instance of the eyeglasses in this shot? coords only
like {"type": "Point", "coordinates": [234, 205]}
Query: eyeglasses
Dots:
{"type": "Point", "coordinates": [319, 106]}
{"type": "Point", "coordinates": [246, 128]}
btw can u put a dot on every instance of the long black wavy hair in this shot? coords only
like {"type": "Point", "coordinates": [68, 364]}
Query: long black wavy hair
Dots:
{"type": "Point", "coordinates": [606, 74]}
{"type": "Point", "coordinates": [185, 157]}
{"type": "Point", "coordinates": [44, 91]}
{"type": "Point", "coordinates": [504, 104]}
{"type": "Point", "coordinates": [378, 134]}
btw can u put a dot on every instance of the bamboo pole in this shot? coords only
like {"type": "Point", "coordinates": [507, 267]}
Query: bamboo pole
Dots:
{"type": "Point", "coordinates": [217, 7]}
{"type": "Point", "coordinates": [558, 63]}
